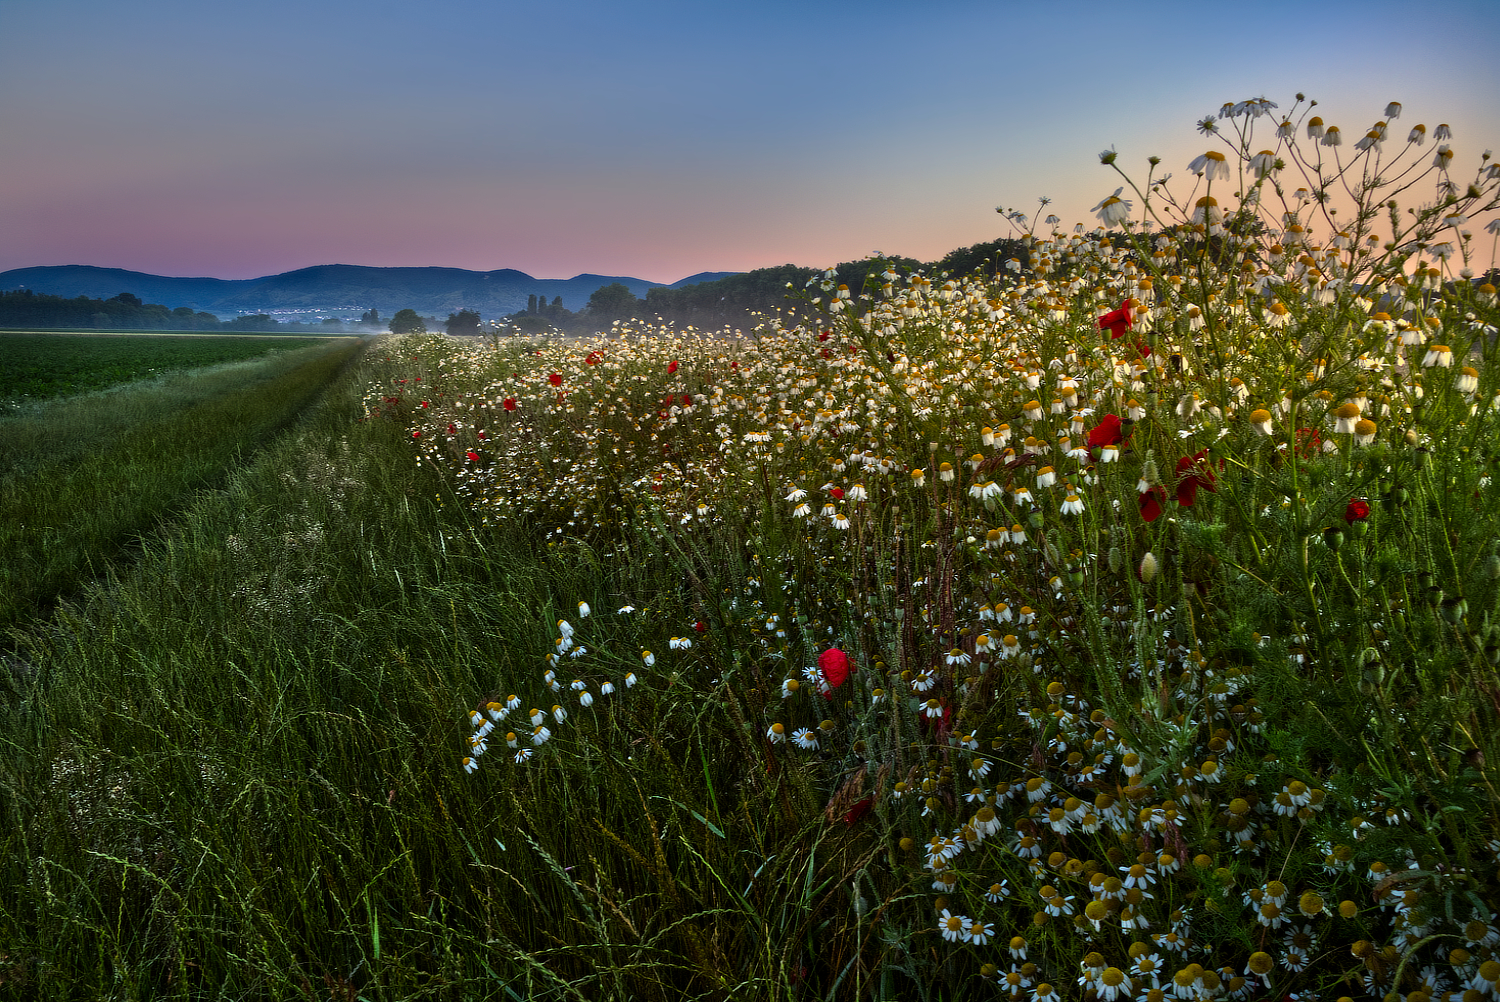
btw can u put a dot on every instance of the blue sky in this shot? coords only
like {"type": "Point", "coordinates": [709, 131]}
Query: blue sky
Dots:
{"type": "Point", "coordinates": [651, 139]}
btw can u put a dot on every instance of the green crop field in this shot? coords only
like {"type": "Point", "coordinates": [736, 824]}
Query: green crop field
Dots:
{"type": "Point", "coordinates": [40, 366]}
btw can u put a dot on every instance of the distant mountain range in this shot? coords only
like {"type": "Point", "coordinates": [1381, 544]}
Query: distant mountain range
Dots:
{"type": "Point", "coordinates": [343, 290]}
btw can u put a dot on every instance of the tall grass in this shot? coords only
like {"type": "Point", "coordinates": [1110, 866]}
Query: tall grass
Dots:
{"type": "Point", "coordinates": [232, 767]}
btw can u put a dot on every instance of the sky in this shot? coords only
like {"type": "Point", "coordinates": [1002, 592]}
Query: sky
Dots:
{"type": "Point", "coordinates": [652, 139]}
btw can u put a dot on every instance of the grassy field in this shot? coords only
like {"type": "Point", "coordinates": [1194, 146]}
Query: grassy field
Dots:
{"type": "Point", "coordinates": [81, 477]}
{"type": "Point", "coordinates": [38, 366]}
{"type": "Point", "coordinates": [1122, 626]}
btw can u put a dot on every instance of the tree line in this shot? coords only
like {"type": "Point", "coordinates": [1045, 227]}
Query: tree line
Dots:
{"type": "Point", "coordinates": [28, 309]}
{"type": "Point", "coordinates": [743, 300]}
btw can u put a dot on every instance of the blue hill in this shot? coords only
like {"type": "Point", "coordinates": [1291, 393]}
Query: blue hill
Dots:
{"type": "Point", "coordinates": [341, 289]}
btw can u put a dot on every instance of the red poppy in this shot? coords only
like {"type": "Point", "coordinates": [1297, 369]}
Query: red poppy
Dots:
{"type": "Point", "coordinates": [451, 429]}
{"type": "Point", "coordinates": [416, 434]}
{"type": "Point", "coordinates": [701, 626]}
{"type": "Point", "coordinates": [1117, 322]}
{"type": "Point", "coordinates": [838, 493]}
{"type": "Point", "coordinates": [1106, 432]}
{"type": "Point", "coordinates": [687, 401]}
{"type": "Point", "coordinates": [823, 335]}
{"type": "Point", "coordinates": [555, 379]}
{"type": "Point", "coordinates": [481, 435]}
{"type": "Point", "coordinates": [419, 379]}
{"type": "Point", "coordinates": [1309, 442]}
{"type": "Point", "coordinates": [593, 357]}
{"type": "Point", "coordinates": [1358, 511]}
{"type": "Point", "coordinates": [836, 669]}
{"type": "Point", "coordinates": [424, 404]}
{"type": "Point", "coordinates": [1194, 472]}
{"type": "Point", "coordinates": [826, 353]}
{"type": "Point", "coordinates": [473, 456]}
{"type": "Point", "coordinates": [858, 811]}
{"type": "Point", "coordinates": [510, 403]}
{"type": "Point", "coordinates": [671, 367]}
{"type": "Point", "coordinates": [1151, 501]}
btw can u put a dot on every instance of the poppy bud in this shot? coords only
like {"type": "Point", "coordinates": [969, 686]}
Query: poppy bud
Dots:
{"type": "Point", "coordinates": [1334, 537]}
{"type": "Point", "coordinates": [1116, 559]}
{"type": "Point", "coordinates": [1147, 570]}
{"type": "Point", "coordinates": [1492, 567]}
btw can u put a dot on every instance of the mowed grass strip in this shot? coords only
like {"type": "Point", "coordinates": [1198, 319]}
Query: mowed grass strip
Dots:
{"type": "Point", "coordinates": [134, 459]}
{"type": "Point", "coordinates": [45, 366]}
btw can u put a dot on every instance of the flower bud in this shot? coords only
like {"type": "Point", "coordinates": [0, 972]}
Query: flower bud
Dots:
{"type": "Point", "coordinates": [1147, 569]}
{"type": "Point", "coordinates": [1452, 609]}
{"type": "Point", "coordinates": [1117, 559]}
{"type": "Point", "coordinates": [1334, 537]}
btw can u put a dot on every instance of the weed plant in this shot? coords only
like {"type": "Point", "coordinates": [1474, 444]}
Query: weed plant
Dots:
{"type": "Point", "coordinates": [1120, 626]}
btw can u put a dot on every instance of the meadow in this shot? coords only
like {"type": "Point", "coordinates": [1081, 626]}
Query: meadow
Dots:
{"type": "Point", "coordinates": [1123, 623]}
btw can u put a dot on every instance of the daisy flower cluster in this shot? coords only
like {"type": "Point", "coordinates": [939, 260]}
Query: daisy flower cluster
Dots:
{"type": "Point", "coordinates": [1113, 560]}
{"type": "Point", "coordinates": [578, 676]}
{"type": "Point", "coordinates": [575, 433]}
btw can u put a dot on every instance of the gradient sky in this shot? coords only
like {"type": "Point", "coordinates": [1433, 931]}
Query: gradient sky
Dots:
{"type": "Point", "coordinates": [651, 139]}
